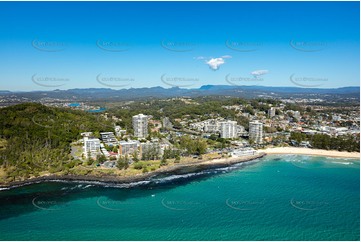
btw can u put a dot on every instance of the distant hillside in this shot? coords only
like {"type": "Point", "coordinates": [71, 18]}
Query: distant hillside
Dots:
{"type": "Point", "coordinates": [107, 94]}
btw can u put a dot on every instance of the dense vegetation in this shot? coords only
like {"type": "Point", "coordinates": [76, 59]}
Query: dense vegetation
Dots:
{"type": "Point", "coordinates": [38, 138]}
{"type": "Point", "coordinates": [323, 141]}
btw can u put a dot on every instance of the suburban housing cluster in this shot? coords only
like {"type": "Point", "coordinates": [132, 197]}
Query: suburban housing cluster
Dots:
{"type": "Point", "coordinates": [112, 148]}
{"type": "Point", "coordinates": [92, 146]}
{"type": "Point", "coordinates": [263, 124]}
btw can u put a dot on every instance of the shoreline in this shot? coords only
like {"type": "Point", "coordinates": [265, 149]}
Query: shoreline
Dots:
{"type": "Point", "coordinates": [181, 169]}
{"type": "Point", "coordinates": [309, 151]}
{"type": "Point", "coordinates": [113, 179]}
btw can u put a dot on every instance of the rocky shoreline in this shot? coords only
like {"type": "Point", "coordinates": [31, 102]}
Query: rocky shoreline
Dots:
{"type": "Point", "coordinates": [113, 179]}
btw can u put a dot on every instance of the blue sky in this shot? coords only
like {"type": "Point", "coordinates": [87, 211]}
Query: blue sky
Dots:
{"type": "Point", "coordinates": [45, 46]}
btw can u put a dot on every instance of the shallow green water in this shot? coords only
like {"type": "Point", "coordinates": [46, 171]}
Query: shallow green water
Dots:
{"type": "Point", "coordinates": [277, 198]}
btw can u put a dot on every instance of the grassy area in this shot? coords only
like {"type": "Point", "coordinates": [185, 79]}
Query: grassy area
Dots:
{"type": "Point", "coordinates": [3, 144]}
{"type": "Point", "coordinates": [137, 168]}
{"type": "Point", "coordinates": [82, 169]}
{"type": "Point", "coordinates": [3, 175]}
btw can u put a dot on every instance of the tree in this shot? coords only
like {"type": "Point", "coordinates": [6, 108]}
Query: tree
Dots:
{"type": "Point", "coordinates": [201, 146]}
{"type": "Point", "coordinates": [213, 137]}
{"type": "Point", "coordinates": [177, 159]}
{"type": "Point", "coordinates": [163, 162]}
{"type": "Point", "coordinates": [138, 165]}
{"type": "Point", "coordinates": [196, 147]}
{"type": "Point", "coordinates": [101, 158]}
{"type": "Point", "coordinates": [135, 156]}
{"type": "Point", "coordinates": [90, 161]}
{"type": "Point", "coordinates": [123, 163]}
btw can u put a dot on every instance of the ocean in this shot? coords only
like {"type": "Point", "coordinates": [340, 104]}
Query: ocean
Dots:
{"type": "Point", "coordinates": [278, 197]}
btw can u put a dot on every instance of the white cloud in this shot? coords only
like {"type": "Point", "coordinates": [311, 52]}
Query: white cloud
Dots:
{"type": "Point", "coordinates": [215, 63]}
{"type": "Point", "coordinates": [259, 73]}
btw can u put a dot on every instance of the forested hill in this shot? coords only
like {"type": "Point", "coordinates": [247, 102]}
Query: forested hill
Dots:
{"type": "Point", "coordinates": [36, 138]}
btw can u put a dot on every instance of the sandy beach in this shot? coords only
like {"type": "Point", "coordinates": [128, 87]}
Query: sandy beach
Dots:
{"type": "Point", "coordinates": [308, 151]}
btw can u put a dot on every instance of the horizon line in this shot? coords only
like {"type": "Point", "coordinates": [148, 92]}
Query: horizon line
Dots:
{"type": "Point", "coordinates": [175, 87]}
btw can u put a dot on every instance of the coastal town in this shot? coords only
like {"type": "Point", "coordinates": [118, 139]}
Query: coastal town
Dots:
{"type": "Point", "coordinates": [126, 139]}
{"type": "Point", "coordinates": [269, 126]}
{"type": "Point", "coordinates": [180, 120]}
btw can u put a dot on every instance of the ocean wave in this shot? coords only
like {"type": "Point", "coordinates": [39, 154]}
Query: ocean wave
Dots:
{"type": "Point", "coordinates": [176, 177]}
{"type": "Point", "coordinates": [342, 163]}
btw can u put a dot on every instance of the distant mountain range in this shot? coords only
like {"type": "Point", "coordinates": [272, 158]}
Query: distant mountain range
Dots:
{"type": "Point", "coordinates": [208, 90]}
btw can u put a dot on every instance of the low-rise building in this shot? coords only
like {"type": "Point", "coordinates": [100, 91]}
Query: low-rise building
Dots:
{"type": "Point", "coordinates": [128, 147]}
{"type": "Point", "coordinates": [108, 138]}
{"type": "Point", "coordinates": [91, 147]}
{"type": "Point", "coordinates": [119, 131]}
{"type": "Point", "coordinates": [243, 152]}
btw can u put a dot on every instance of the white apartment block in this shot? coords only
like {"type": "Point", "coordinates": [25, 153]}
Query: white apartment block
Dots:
{"type": "Point", "coordinates": [256, 131]}
{"type": "Point", "coordinates": [271, 112]}
{"type": "Point", "coordinates": [92, 146]}
{"type": "Point", "coordinates": [140, 125]}
{"type": "Point", "coordinates": [228, 129]}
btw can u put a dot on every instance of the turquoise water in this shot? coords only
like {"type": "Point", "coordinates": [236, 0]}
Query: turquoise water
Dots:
{"type": "Point", "coordinates": [96, 110]}
{"type": "Point", "coordinates": [74, 105]}
{"type": "Point", "coordinates": [276, 198]}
